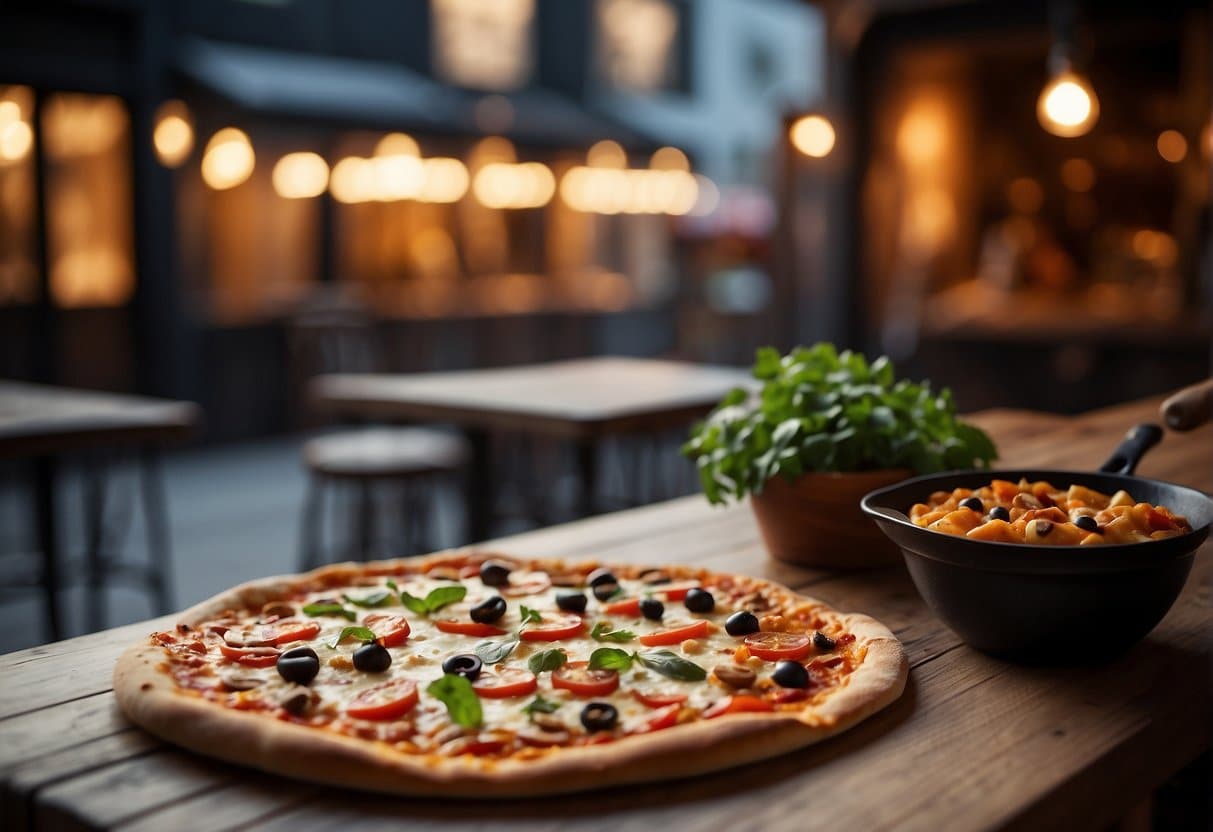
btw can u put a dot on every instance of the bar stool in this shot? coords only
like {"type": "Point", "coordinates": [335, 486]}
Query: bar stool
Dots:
{"type": "Point", "coordinates": [334, 335]}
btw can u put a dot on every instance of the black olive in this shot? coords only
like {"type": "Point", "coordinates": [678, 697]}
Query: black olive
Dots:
{"type": "Point", "coordinates": [299, 665]}
{"type": "Point", "coordinates": [601, 576]}
{"type": "Point", "coordinates": [604, 591]}
{"type": "Point", "coordinates": [486, 612]}
{"type": "Point", "coordinates": [1086, 523]}
{"type": "Point", "coordinates": [823, 642]}
{"type": "Point", "coordinates": [791, 675]}
{"type": "Point", "coordinates": [1000, 513]}
{"type": "Point", "coordinates": [494, 573]}
{"type": "Point", "coordinates": [372, 658]}
{"type": "Point", "coordinates": [652, 609]}
{"type": "Point", "coordinates": [599, 716]}
{"type": "Point", "coordinates": [571, 601]}
{"type": "Point", "coordinates": [973, 503]}
{"type": "Point", "coordinates": [741, 623]}
{"type": "Point", "coordinates": [699, 600]}
{"type": "Point", "coordinates": [466, 665]}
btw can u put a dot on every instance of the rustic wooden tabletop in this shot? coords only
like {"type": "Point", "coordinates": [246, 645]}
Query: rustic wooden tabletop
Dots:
{"type": "Point", "coordinates": [973, 743]}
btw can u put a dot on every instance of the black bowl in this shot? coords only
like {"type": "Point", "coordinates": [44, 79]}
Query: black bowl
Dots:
{"type": "Point", "coordinates": [1045, 604]}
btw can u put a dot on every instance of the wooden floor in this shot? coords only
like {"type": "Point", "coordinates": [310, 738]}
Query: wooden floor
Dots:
{"type": "Point", "coordinates": [974, 743]}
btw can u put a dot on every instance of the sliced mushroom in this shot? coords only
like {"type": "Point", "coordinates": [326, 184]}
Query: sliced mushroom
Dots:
{"type": "Point", "coordinates": [548, 722]}
{"type": "Point", "coordinates": [532, 735]}
{"type": "Point", "coordinates": [238, 680]}
{"type": "Point", "coordinates": [297, 699]}
{"type": "Point", "coordinates": [735, 675]}
{"type": "Point", "coordinates": [279, 609]}
{"type": "Point", "coordinates": [245, 637]}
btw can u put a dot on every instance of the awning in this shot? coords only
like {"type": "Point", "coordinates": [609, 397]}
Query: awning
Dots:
{"type": "Point", "coordinates": [346, 92]}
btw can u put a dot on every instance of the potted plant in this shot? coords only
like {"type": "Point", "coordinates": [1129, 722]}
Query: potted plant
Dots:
{"type": "Point", "coordinates": [823, 430]}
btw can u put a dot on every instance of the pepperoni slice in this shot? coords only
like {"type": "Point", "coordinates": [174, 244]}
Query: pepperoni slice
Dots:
{"type": "Point", "coordinates": [284, 632]}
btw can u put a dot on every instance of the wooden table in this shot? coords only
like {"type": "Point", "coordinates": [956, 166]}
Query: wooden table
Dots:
{"type": "Point", "coordinates": [973, 743]}
{"type": "Point", "coordinates": [43, 423]}
{"type": "Point", "coordinates": [578, 401]}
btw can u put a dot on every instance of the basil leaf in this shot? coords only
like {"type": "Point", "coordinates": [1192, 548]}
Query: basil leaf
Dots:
{"type": "Point", "coordinates": [444, 596]}
{"type": "Point", "coordinates": [315, 610]}
{"type": "Point", "coordinates": [540, 705]}
{"type": "Point", "coordinates": [417, 605]}
{"type": "Point", "coordinates": [610, 658]}
{"type": "Point", "coordinates": [461, 701]}
{"type": "Point", "coordinates": [378, 598]}
{"type": "Point", "coordinates": [529, 615]}
{"type": "Point", "coordinates": [602, 632]}
{"type": "Point", "coordinates": [392, 585]}
{"type": "Point", "coordinates": [547, 660]}
{"type": "Point", "coordinates": [493, 652]}
{"type": "Point", "coordinates": [672, 666]}
{"type": "Point", "coordinates": [361, 633]}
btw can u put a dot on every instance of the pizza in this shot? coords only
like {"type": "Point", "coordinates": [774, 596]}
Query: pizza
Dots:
{"type": "Point", "coordinates": [481, 675]}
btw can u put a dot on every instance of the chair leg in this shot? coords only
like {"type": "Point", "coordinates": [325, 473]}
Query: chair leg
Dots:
{"type": "Point", "coordinates": [366, 520]}
{"type": "Point", "coordinates": [155, 519]}
{"type": "Point", "coordinates": [94, 526]}
{"type": "Point", "coordinates": [311, 527]}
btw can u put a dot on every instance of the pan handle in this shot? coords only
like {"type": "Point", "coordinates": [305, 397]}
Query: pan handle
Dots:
{"type": "Point", "coordinates": [1132, 448]}
{"type": "Point", "coordinates": [1190, 408]}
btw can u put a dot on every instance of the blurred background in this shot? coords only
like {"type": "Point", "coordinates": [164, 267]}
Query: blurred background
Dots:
{"type": "Point", "coordinates": [1008, 197]}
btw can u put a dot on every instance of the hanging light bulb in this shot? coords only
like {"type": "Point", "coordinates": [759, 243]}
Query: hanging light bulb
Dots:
{"type": "Point", "coordinates": [1068, 106]}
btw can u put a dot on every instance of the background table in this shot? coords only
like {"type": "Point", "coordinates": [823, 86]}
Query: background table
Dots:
{"type": "Point", "coordinates": [44, 423]}
{"type": "Point", "coordinates": [578, 401]}
{"type": "Point", "coordinates": [973, 743]}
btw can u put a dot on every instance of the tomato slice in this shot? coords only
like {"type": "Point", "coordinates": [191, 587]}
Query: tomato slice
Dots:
{"type": "Point", "coordinates": [664, 718]}
{"type": "Point", "coordinates": [737, 704]}
{"type": "Point", "coordinates": [467, 628]}
{"type": "Point", "coordinates": [629, 607]}
{"type": "Point", "coordinates": [696, 629]}
{"type": "Point", "coordinates": [504, 683]}
{"type": "Point", "coordinates": [553, 629]}
{"type": "Point", "coordinates": [390, 630]}
{"type": "Point", "coordinates": [581, 681]}
{"type": "Point", "coordinates": [282, 632]}
{"type": "Point", "coordinates": [251, 656]}
{"type": "Point", "coordinates": [774, 647]}
{"type": "Point", "coordinates": [658, 698]}
{"type": "Point", "coordinates": [526, 583]}
{"type": "Point", "coordinates": [676, 592]}
{"type": "Point", "coordinates": [386, 701]}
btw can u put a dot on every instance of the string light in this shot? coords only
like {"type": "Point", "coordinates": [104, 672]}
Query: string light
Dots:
{"type": "Point", "coordinates": [229, 159]}
{"type": "Point", "coordinates": [173, 135]}
{"type": "Point", "coordinates": [1068, 106]}
{"type": "Point", "coordinates": [300, 176]}
{"type": "Point", "coordinates": [813, 135]}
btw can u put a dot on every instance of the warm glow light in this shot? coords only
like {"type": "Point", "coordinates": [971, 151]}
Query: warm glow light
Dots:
{"type": "Point", "coordinates": [813, 136]}
{"type": "Point", "coordinates": [446, 180]}
{"type": "Point", "coordinates": [708, 198]}
{"type": "Point", "coordinates": [669, 158]}
{"type": "Point", "coordinates": [1172, 146]}
{"type": "Point", "coordinates": [300, 176]}
{"type": "Point", "coordinates": [1068, 106]}
{"type": "Point", "coordinates": [397, 144]}
{"type": "Point", "coordinates": [173, 135]}
{"type": "Point", "coordinates": [397, 177]}
{"type": "Point", "coordinates": [504, 185]}
{"type": "Point", "coordinates": [613, 191]}
{"type": "Point", "coordinates": [353, 180]}
{"type": "Point", "coordinates": [16, 138]}
{"type": "Point", "coordinates": [1078, 175]}
{"type": "Point", "coordinates": [607, 154]}
{"type": "Point", "coordinates": [228, 160]}
{"type": "Point", "coordinates": [1025, 195]}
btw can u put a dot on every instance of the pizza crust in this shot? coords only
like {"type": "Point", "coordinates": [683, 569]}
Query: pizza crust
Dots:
{"type": "Point", "coordinates": [148, 695]}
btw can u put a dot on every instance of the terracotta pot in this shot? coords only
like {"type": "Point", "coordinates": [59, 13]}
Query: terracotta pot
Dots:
{"type": "Point", "coordinates": [816, 521]}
